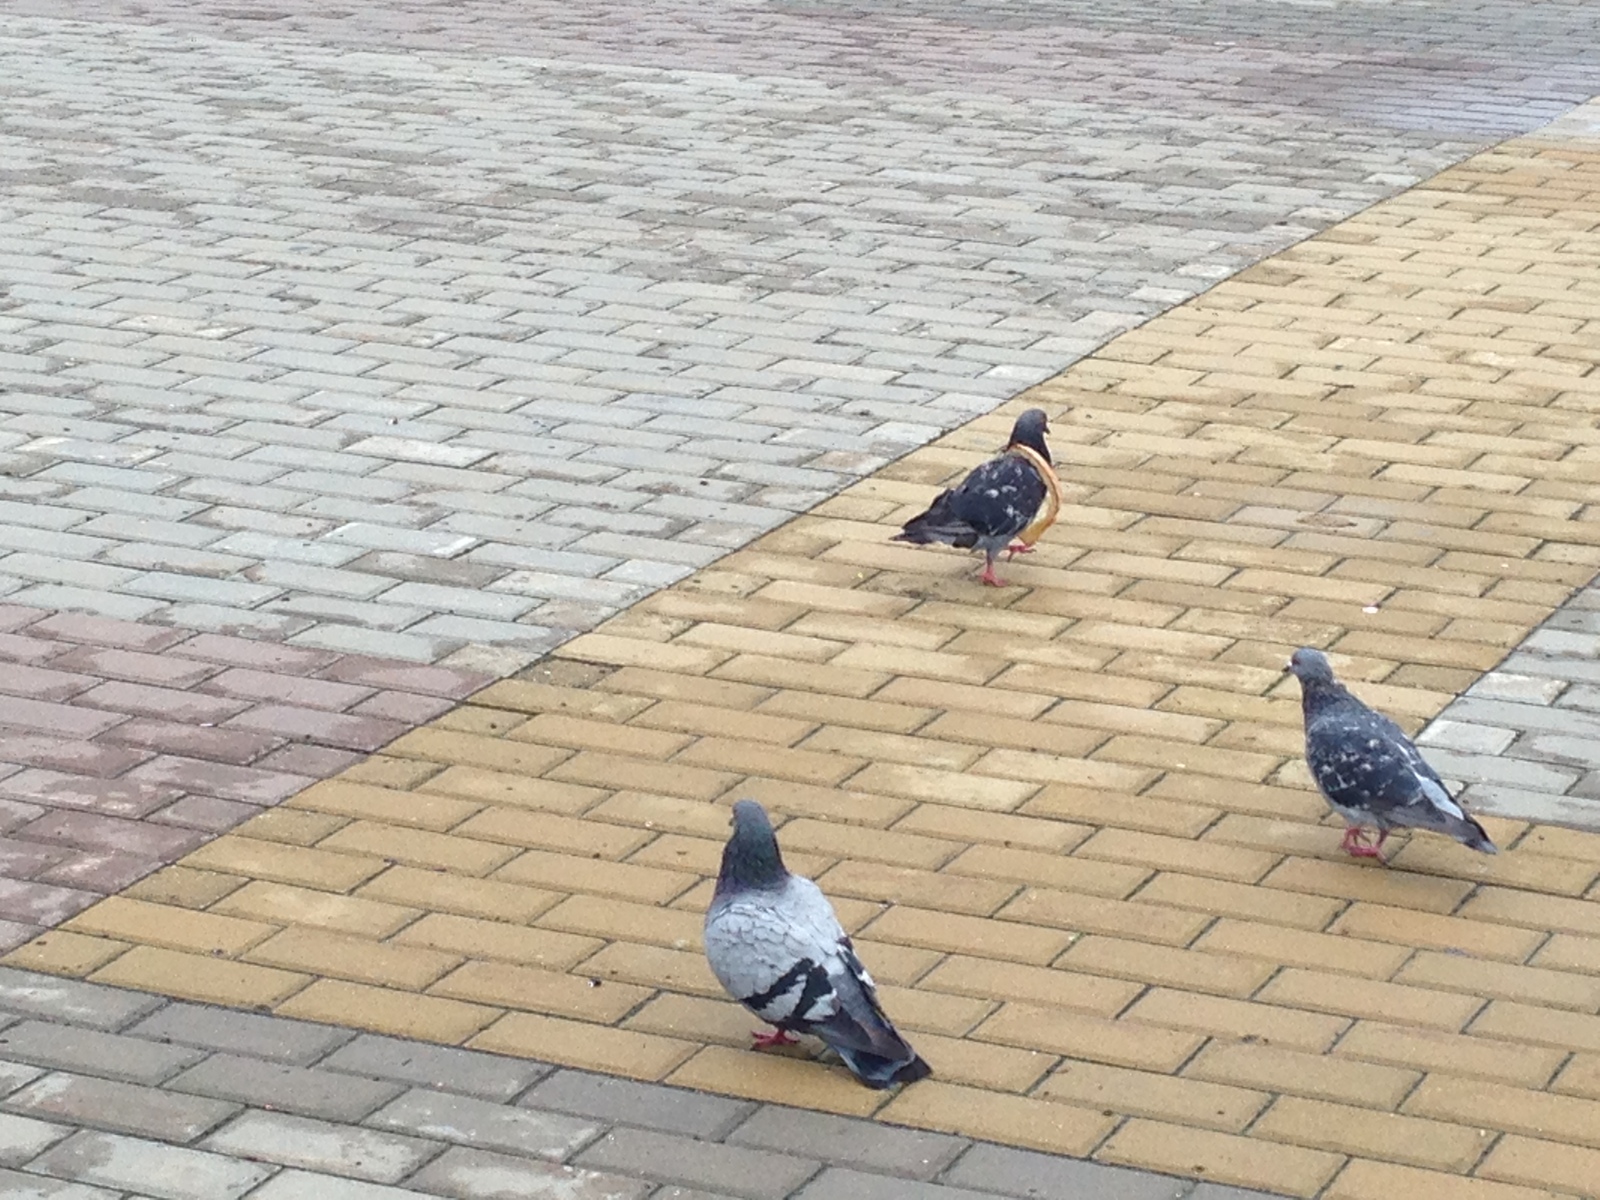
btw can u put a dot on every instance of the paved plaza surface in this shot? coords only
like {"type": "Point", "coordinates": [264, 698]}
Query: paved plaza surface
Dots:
{"type": "Point", "coordinates": [447, 453]}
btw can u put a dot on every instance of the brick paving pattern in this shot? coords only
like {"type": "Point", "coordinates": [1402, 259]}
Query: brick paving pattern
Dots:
{"type": "Point", "coordinates": [1068, 822]}
{"type": "Point", "coordinates": [106, 1093]}
{"type": "Point", "coordinates": [354, 330]}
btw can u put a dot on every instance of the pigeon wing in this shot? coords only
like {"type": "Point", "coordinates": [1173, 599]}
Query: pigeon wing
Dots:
{"type": "Point", "coordinates": [1364, 764]}
{"type": "Point", "coordinates": [772, 949]}
{"type": "Point", "coordinates": [1000, 498]}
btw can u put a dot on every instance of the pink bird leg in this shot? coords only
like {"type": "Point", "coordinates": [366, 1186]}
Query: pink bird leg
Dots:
{"type": "Point", "coordinates": [989, 577]}
{"type": "Point", "coordinates": [1017, 548]}
{"type": "Point", "coordinates": [761, 1040]}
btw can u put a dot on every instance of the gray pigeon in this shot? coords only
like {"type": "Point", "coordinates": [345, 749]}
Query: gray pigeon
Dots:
{"type": "Point", "coordinates": [774, 942]}
{"type": "Point", "coordinates": [1368, 770]}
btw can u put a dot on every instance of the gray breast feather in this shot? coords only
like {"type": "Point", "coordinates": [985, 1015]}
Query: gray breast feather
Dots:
{"type": "Point", "coordinates": [780, 948]}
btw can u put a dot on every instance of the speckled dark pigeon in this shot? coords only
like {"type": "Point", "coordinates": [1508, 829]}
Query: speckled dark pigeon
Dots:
{"type": "Point", "coordinates": [773, 941]}
{"type": "Point", "coordinates": [992, 504]}
{"type": "Point", "coordinates": [1368, 770]}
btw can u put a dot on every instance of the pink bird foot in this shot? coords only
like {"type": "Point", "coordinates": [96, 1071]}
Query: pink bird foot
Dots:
{"type": "Point", "coordinates": [1017, 548]}
{"type": "Point", "coordinates": [989, 577]}
{"type": "Point", "coordinates": [1355, 844]}
{"type": "Point", "coordinates": [762, 1040]}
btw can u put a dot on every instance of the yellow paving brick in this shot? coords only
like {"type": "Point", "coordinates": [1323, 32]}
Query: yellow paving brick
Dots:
{"type": "Point", "coordinates": [505, 789]}
{"type": "Point", "coordinates": [1389, 924]}
{"type": "Point", "coordinates": [1226, 1017]}
{"type": "Point", "coordinates": [845, 712]}
{"type": "Point", "coordinates": [293, 826]}
{"type": "Point", "coordinates": [636, 774]}
{"type": "Point", "coordinates": [777, 1079]}
{"type": "Point", "coordinates": [585, 1045]}
{"type": "Point", "coordinates": [777, 762]}
{"type": "Point", "coordinates": [1451, 1053]}
{"type": "Point", "coordinates": [464, 718]}
{"type": "Point", "coordinates": [384, 1010]}
{"type": "Point", "coordinates": [1086, 875]}
{"type": "Point", "coordinates": [1145, 1094]}
{"type": "Point", "coordinates": [1580, 1077]}
{"type": "Point", "coordinates": [634, 685]}
{"type": "Point", "coordinates": [629, 652]}
{"type": "Point", "coordinates": [1299, 947]}
{"type": "Point", "coordinates": [1565, 952]}
{"type": "Point", "coordinates": [1236, 796]}
{"type": "Point", "coordinates": [280, 904]}
{"type": "Point", "coordinates": [311, 867]}
{"type": "Point", "coordinates": [982, 1065]}
{"type": "Point", "coordinates": [580, 873]}
{"type": "Point", "coordinates": [1506, 981]}
{"type": "Point", "coordinates": [551, 831]}
{"type": "Point", "coordinates": [928, 696]}
{"type": "Point", "coordinates": [514, 986]}
{"type": "Point", "coordinates": [199, 977]}
{"type": "Point", "coordinates": [1020, 1121]}
{"type": "Point", "coordinates": [836, 840]}
{"type": "Point", "coordinates": [1538, 1025]}
{"type": "Point", "coordinates": [184, 887]}
{"type": "Point", "coordinates": [1367, 1180]}
{"type": "Point", "coordinates": [704, 719]}
{"type": "Point", "coordinates": [924, 664]}
{"type": "Point", "coordinates": [1178, 854]}
{"type": "Point", "coordinates": [1079, 913]}
{"type": "Point", "coordinates": [418, 809]}
{"type": "Point", "coordinates": [474, 938]}
{"type": "Point", "coordinates": [1097, 807]}
{"type": "Point", "coordinates": [1347, 995]}
{"type": "Point", "coordinates": [436, 891]}
{"type": "Point", "coordinates": [1050, 986]}
{"type": "Point", "coordinates": [1030, 767]}
{"type": "Point", "coordinates": [979, 936]}
{"type": "Point", "coordinates": [833, 678]}
{"type": "Point", "coordinates": [1009, 731]}
{"type": "Point", "coordinates": [602, 917]}
{"type": "Point", "coordinates": [1390, 1137]}
{"type": "Point", "coordinates": [528, 696]}
{"type": "Point", "coordinates": [578, 733]}
{"type": "Point", "coordinates": [1220, 1157]}
{"type": "Point", "coordinates": [969, 825]}
{"type": "Point", "coordinates": [1166, 966]}
{"type": "Point", "coordinates": [1082, 1035]}
{"type": "Point", "coordinates": [1154, 752]}
{"type": "Point", "coordinates": [927, 889]}
{"type": "Point", "coordinates": [383, 771]}
{"type": "Point", "coordinates": [1253, 1064]}
{"type": "Point", "coordinates": [657, 967]}
{"type": "Point", "coordinates": [1350, 881]}
{"type": "Point", "coordinates": [454, 748]}
{"type": "Point", "coordinates": [947, 787]}
{"type": "Point", "coordinates": [1224, 898]}
{"type": "Point", "coordinates": [833, 599]}
{"type": "Point", "coordinates": [1531, 910]}
{"type": "Point", "coordinates": [58, 952]}
{"type": "Point", "coordinates": [175, 928]}
{"type": "Point", "coordinates": [1539, 1163]}
{"type": "Point", "coordinates": [712, 1019]}
{"type": "Point", "coordinates": [1499, 1106]}
{"type": "Point", "coordinates": [417, 847]}
{"type": "Point", "coordinates": [325, 953]}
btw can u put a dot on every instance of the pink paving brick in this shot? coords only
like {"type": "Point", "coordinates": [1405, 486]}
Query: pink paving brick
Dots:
{"type": "Point", "coordinates": [408, 677]}
{"type": "Point", "coordinates": [13, 934]}
{"type": "Point", "coordinates": [14, 813]}
{"type": "Point", "coordinates": [170, 704]}
{"type": "Point", "coordinates": [91, 831]}
{"type": "Point", "coordinates": [219, 779]}
{"type": "Point", "coordinates": [59, 719]}
{"type": "Point", "coordinates": [310, 724]}
{"type": "Point", "coordinates": [65, 754]}
{"type": "Point", "coordinates": [106, 631]}
{"type": "Point", "coordinates": [23, 860]}
{"type": "Point", "coordinates": [41, 903]}
{"type": "Point", "coordinates": [15, 616]}
{"type": "Point", "coordinates": [162, 670]}
{"type": "Point", "coordinates": [237, 746]}
{"type": "Point", "coordinates": [104, 871]}
{"type": "Point", "coordinates": [410, 707]}
{"type": "Point", "coordinates": [288, 689]}
{"type": "Point", "coordinates": [19, 647]}
{"type": "Point", "coordinates": [114, 797]}
{"type": "Point", "coordinates": [315, 762]}
{"type": "Point", "coordinates": [43, 683]}
{"type": "Point", "coordinates": [265, 656]}
{"type": "Point", "coordinates": [206, 812]}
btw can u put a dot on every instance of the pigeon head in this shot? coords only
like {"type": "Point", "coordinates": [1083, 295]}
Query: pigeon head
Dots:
{"type": "Point", "coordinates": [1310, 667]}
{"type": "Point", "coordinates": [1029, 431]}
{"type": "Point", "coordinates": [751, 858]}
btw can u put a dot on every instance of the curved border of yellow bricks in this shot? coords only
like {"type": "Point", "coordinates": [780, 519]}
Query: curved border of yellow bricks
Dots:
{"type": "Point", "coordinates": [1068, 820]}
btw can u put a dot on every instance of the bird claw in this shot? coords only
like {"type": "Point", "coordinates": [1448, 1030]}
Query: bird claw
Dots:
{"type": "Point", "coordinates": [1356, 846]}
{"type": "Point", "coordinates": [989, 577]}
{"type": "Point", "coordinates": [1017, 548]}
{"type": "Point", "coordinates": [765, 1040]}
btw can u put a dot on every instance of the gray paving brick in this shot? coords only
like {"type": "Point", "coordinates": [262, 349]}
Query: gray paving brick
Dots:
{"type": "Point", "coordinates": [469, 1121]}
{"type": "Point", "coordinates": [841, 1183]}
{"type": "Point", "coordinates": [1217, 1191]}
{"type": "Point", "coordinates": [23, 1138]}
{"type": "Point", "coordinates": [469, 1072]}
{"type": "Point", "coordinates": [274, 1038]}
{"type": "Point", "coordinates": [1046, 1177]}
{"type": "Point", "coordinates": [105, 1054]}
{"type": "Point", "coordinates": [310, 1093]}
{"type": "Point", "coordinates": [311, 1185]}
{"type": "Point", "coordinates": [88, 1004]}
{"type": "Point", "coordinates": [650, 1106]}
{"type": "Point", "coordinates": [756, 1174]}
{"type": "Point", "coordinates": [866, 1144]}
{"type": "Point", "coordinates": [14, 1185]}
{"type": "Point", "coordinates": [121, 1107]}
{"type": "Point", "coordinates": [149, 1168]}
{"type": "Point", "coordinates": [320, 1146]}
{"type": "Point", "coordinates": [482, 1175]}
